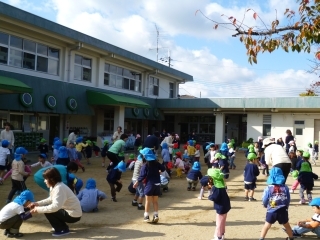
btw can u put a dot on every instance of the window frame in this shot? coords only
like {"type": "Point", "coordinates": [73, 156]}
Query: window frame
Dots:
{"type": "Point", "coordinates": [154, 87]}
{"type": "Point", "coordinates": [266, 124]}
{"type": "Point", "coordinates": [24, 51]}
{"type": "Point", "coordinates": [171, 90]}
{"type": "Point", "coordinates": [82, 66]}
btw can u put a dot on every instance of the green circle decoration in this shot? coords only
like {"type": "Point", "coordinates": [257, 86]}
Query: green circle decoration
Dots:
{"type": "Point", "coordinates": [156, 113]}
{"type": "Point", "coordinates": [72, 103]}
{"type": "Point", "coordinates": [26, 99]}
{"type": "Point", "coordinates": [135, 111]}
{"type": "Point", "coordinates": [50, 101]}
{"type": "Point", "coordinates": [146, 112]}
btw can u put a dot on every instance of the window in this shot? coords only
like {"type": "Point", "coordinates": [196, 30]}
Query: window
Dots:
{"type": "Point", "coordinates": [299, 122]}
{"type": "Point", "coordinates": [16, 121]}
{"type": "Point", "coordinates": [108, 121]}
{"type": "Point", "coordinates": [82, 68]}
{"type": "Point", "coordinates": [266, 125]}
{"type": "Point", "coordinates": [171, 91]}
{"type": "Point", "coordinates": [121, 78]}
{"type": "Point", "coordinates": [299, 131]}
{"type": "Point", "coordinates": [23, 53]}
{"type": "Point", "coordinates": [154, 86]}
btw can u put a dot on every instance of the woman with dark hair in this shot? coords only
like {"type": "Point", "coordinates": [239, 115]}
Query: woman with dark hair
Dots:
{"type": "Point", "coordinates": [61, 207]}
{"type": "Point", "coordinates": [289, 138]}
{"type": "Point", "coordinates": [116, 148]}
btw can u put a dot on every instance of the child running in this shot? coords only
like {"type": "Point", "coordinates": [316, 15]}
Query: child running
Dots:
{"type": "Point", "coordinates": [139, 194]}
{"type": "Point", "coordinates": [276, 199]}
{"type": "Point", "coordinates": [232, 156]}
{"type": "Point", "coordinates": [114, 179]}
{"type": "Point", "coordinates": [306, 179]}
{"type": "Point", "coordinates": [4, 156]}
{"type": "Point", "coordinates": [194, 176]}
{"type": "Point", "coordinates": [104, 152]}
{"type": "Point", "coordinates": [43, 147]}
{"type": "Point", "coordinates": [206, 182]}
{"type": "Point", "coordinates": [18, 172]}
{"type": "Point", "coordinates": [150, 173]}
{"type": "Point", "coordinates": [90, 197]}
{"type": "Point", "coordinates": [42, 161]}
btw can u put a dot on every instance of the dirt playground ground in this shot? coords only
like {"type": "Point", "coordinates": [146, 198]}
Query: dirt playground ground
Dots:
{"type": "Point", "coordinates": [182, 215]}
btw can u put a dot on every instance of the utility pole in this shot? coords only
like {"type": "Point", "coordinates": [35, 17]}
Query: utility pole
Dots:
{"type": "Point", "coordinates": [157, 40]}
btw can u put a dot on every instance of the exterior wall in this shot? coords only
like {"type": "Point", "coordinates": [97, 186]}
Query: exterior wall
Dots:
{"type": "Point", "coordinates": [254, 125]}
{"type": "Point", "coordinates": [78, 121]}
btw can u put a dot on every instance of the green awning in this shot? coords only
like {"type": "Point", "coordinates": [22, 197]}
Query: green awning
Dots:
{"type": "Point", "coordinates": [100, 98]}
{"type": "Point", "coordinates": [11, 85]}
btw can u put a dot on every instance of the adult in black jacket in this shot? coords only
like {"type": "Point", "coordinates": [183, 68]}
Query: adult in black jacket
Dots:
{"type": "Point", "coordinates": [289, 138]}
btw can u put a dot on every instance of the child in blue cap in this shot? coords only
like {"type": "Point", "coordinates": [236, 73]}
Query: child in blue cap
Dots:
{"type": "Point", "coordinates": [18, 172]}
{"type": "Point", "coordinates": [13, 214]}
{"type": "Point", "coordinates": [276, 198]}
{"type": "Point", "coordinates": [63, 156]}
{"type": "Point", "coordinates": [42, 161]}
{"type": "Point", "coordinates": [56, 145]}
{"type": "Point", "coordinates": [114, 179]}
{"type": "Point", "coordinates": [309, 225]}
{"type": "Point", "coordinates": [194, 176]}
{"type": "Point", "coordinates": [150, 173]}
{"type": "Point", "coordinates": [90, 197]}
{"type": "Point", "coordinates": [4, 156]}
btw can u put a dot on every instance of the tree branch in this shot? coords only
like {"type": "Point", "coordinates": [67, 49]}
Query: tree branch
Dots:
{"type": "Point", "coordinates": [267, 32]}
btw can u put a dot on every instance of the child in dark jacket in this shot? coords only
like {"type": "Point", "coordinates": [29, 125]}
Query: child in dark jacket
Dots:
{"type": "Point", "coordinates": [306, 179]}
{"type": "Point", "coordinates": [194, 176]}
{"type": "Point", "coordinates": [251, 171]}
{"type": "Point", "coordinates": [276, 199]}
{"type": "Point", "coordinates": [304, 158]}
{"type": "Point", "coordinates": [43, 147]}
{"type": "Point", "coordinates": [88, 151]}
{"type": "Point", "coordinates": [114, 179]}
{"type": "Point", "coordinates": [104, 152]}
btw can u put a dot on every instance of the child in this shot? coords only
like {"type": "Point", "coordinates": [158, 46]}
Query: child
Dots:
{"type": "Point", "coordinates": [95, 148]}
{"type": "Point", "coordinates": [73, 155]}
{"type": "Point", "coordinates": [186, 164]}
{"type": "Point", "coordinates": [43, 147]}
{"type": "Point", "coordinates": [185, 147]}
{"type": "Point", "coordinates": [222, 203]}
{"type": "Point", "coordinates": [232, 156]}
{"type": "Point", "coordinates": [88, 151]}
{"type": "Point", "coordinates": [63, 157]}
{"type": "Point", "coordinates": [224, 150]}
{"type": "Point", "coordinates": [224, 165]}
{"type": "Point", "coordinates": [18, 172]}
{"type": "Point", "coordinates": [306, 181]}
{"type": "Point", "coordinates": [315, 150]}
{"type": "Point", "coordinates": [57, 144]}
{"type": "Point", "coordinates": [179, 164]}
{"type": "Point", "coordinates": [80, 146]}
{"type": "Point", "coordinates": [251, 171]}
{"type": "Point", "coordinates": [165, 154]}
{"type": "Point", "coordinates": [276, 199]}
{"type": "Point", "coordinates": [310, 149]}
{"type": "Point", "coordinates": [114, 179]}
{"type": "Point", "coordinates": [303, 156]}
{"type": "Point", "coordinates": [291, 148]}
{"type": "Point", "coordinates": [194, 176]}
{"type": "Point", "coordinates": [4, 156]}
{"type": "Point", "coordinates": [309, 225]}
{"type": "Point", "coordinates": [104, 152]}
{"type": "Point", "coordinates": [295, 183]}
{"type": "Point", "coordinates": [206, 182]}
{"type": "Point", "coordinates": [42, 161]}
{"type": "Point", "coordinates": [191, 151]}
{"type": "Point", "coordinates": [90, 197]}
{"type": "Point", "coordinates": [139, 194]}
{"type": "Point", "coordinates": [13, 214]}
{"type": "Point", "coordinates": [164, 180]}
{"type": "Point", "coordinates": [130, 160]}
{"type": "Point", "coordinates": [263, 163]}
{"type": "Point", "coordinates": [197, 153]}
{"type": "Point", "coordinates": [137, 144]}
{"type": "Point", "coordinates": [150, 173]}
{"type": "Point", "coordinates": [74, 183]}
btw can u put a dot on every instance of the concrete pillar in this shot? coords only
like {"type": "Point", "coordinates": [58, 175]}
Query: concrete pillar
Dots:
{"type": "Point", "coordinates": [220, 128]}
{"type": "Point", "coordinates": [118, 117]}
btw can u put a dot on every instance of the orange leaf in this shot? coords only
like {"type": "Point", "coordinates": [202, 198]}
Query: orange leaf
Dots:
{"type": "Point", "coordinates": [255, 16]}
{"type": "Point", "coordinates": [249, 31]}
{"type": "Point", "coordinates": [234, 21]}
{"type": "Point", "coordinates": [296, 24]}
{"type": "Point", "coordinates": [318, 55]}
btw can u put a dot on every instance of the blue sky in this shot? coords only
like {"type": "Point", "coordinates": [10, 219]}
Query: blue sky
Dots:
{"type": "Point", "coordinates": [217, 61]}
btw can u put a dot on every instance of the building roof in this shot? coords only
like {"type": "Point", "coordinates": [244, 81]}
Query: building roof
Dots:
{"type": "Point", "coordinates": [279, 104]}
{"type": "Point", "coordinates": [18, 14]}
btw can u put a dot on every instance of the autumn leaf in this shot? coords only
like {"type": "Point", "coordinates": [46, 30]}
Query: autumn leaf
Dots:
{"type": "Point", "coordinates": [230, 17]}
{"type": "Point", "coordinates": [318, 55]}
{"type": "Point", "coordinates": [249, 31]}
{"type": "Point", "coordinates": [234, 21]}
{"type": "Point", "coordinates": [254, 59]}
{"type": "Point", "coordinates": [216, 26]}
{"type": "Point", "coordinates": [255, 16]}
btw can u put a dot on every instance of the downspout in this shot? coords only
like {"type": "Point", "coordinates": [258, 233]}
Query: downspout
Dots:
{"type": "Point", "coordinates": [77, 47]}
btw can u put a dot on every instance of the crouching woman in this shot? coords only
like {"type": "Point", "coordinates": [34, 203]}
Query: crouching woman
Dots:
{"type": "Point", "coordinates": [61, 207]}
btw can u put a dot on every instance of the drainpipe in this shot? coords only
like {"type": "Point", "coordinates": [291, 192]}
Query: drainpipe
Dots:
{"type": "Point", "coordinates": [74, 48]}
